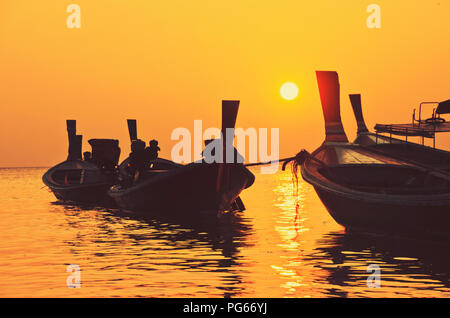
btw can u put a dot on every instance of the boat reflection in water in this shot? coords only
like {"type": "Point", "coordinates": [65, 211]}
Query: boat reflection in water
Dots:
{"type": "Point", "coordinates": [207, 248]}
{"type": "Point", "coordinates": [404, 264]}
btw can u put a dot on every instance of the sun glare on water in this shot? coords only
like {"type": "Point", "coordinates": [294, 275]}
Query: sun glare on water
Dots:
{"type": "Point", "coordinates": [289, 91]}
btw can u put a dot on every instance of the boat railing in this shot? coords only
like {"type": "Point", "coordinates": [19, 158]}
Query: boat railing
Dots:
{"type": "Point", "coordinates": [424, 128]}
{"type": "Point", "coordinates": [403, 130]}
{"type": "Point", "coordinates": [420, 121]}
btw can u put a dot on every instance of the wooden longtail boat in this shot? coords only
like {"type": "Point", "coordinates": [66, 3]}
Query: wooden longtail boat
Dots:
{"type": "Point", "coordinates": [418, 153]}
{"type": "Point", "coordinates": [368, 190]}
{"type": "Point", "coordinates": [199, 186]}
{"type": "Point", "coordinates": [425, 128]}
{"type": "Point", "coordinates": [79, 181]}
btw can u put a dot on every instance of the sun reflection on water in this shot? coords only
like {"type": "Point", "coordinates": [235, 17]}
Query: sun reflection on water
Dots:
{"type": "Point", "coordinates": [270, 250]}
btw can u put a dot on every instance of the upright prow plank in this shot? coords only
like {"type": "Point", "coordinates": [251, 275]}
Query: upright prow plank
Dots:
{"type": "Point", "coordinates": [355, 100]}
{"type": "Point", "coordinates": [75, 141]}
{"type": "Point", "coordinates": [229, 114]}
{"type": "Point", "coordinates": [132, 129]}
{"type": "Point", "coordinates": [71, 127]}
{"type": "Point", "coordinates": [328, 83]}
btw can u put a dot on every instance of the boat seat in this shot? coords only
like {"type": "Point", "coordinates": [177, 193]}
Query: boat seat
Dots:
{"type": "Point", "coordinates": [443, 107]}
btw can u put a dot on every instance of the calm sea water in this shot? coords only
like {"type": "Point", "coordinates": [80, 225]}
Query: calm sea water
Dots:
{"type": "Point", "coordinates": [270, 250]}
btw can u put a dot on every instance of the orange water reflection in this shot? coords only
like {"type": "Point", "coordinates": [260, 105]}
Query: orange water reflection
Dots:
{"type": "Point", "coordinates": [271, 250]}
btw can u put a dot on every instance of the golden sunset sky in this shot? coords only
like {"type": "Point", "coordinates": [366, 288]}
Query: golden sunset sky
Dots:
{"type": "Point", "coordinates": [167, 63]}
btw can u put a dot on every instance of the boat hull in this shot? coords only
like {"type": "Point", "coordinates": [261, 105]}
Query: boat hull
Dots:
{"type": "Point", "coordinates": [429, 220]}
{"type": "Point", "coordinates": [79, 182]}
{"type": "Point", "coordinates": [409, 215]}
{"type": "Point", "coordinates": [93, 194]}
{"type": "Point", "coordinates": [188, 188]}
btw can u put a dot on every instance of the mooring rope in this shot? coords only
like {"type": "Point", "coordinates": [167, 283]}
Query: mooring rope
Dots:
{"type": "Point", "coordinates": [298, 159]}
{"type": "Point", "coordinates": [269, 162]}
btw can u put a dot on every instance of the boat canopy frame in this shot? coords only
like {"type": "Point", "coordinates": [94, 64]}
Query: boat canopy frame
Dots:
{"type": "Point", "coordinates": [426, 128]}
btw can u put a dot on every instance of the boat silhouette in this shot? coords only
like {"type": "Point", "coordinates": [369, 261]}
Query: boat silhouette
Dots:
{"type": "Point", "coordinates": [420, 154]}
{"type": "Point", "coordinates": [79, 181]}
{"type": "Point", "coordinates": [199, 186]}
{"type": "Point", "coordinates": [365, 189]}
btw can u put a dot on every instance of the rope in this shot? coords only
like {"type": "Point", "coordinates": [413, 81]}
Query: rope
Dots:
{"type": "Point", "coordinates": [269, 162]}
{"type": "Point", "coordinates": [298, 158]}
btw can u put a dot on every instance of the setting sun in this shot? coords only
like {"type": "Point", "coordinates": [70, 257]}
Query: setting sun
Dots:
{"type": "Point", "coordinates": [289, 91]}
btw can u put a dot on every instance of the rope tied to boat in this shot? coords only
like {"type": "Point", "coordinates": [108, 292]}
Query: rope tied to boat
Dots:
{"type": "Point", "coordinates": [299, 158]}
{"type": "Point", "coordinates": [297, 161]}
